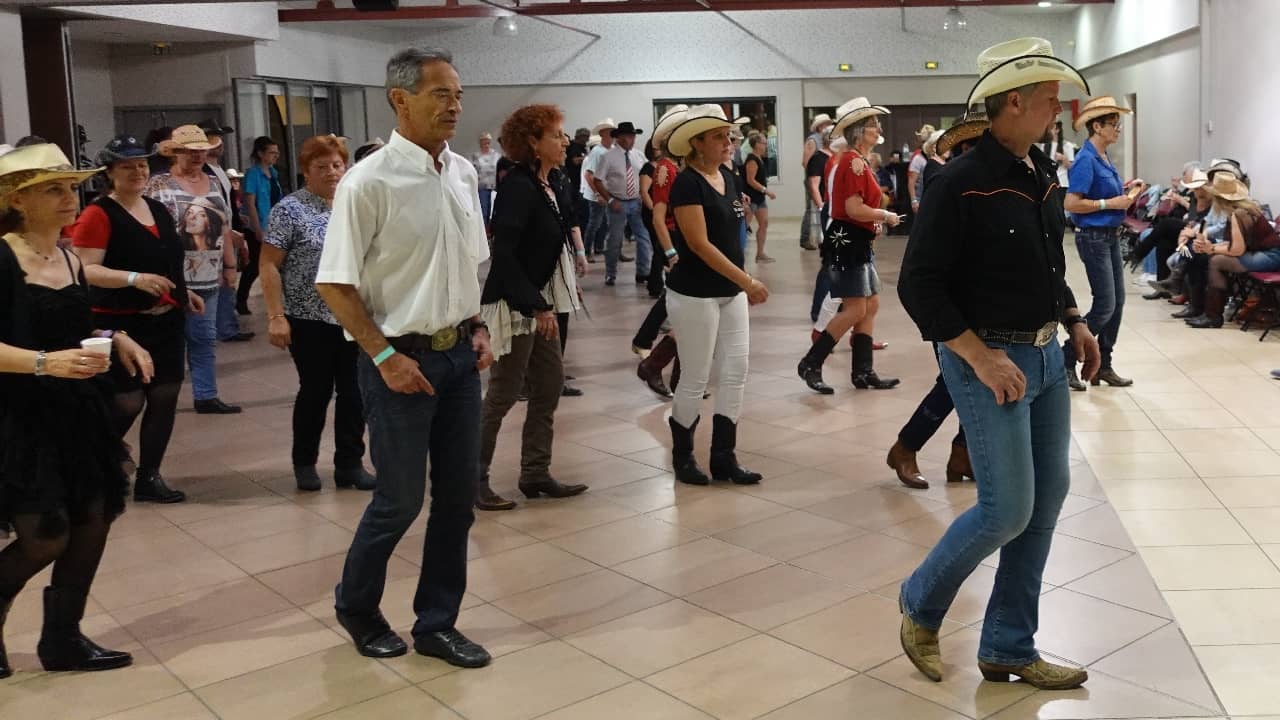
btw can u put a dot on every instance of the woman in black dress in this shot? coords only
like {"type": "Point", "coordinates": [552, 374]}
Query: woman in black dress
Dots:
{"type": "Point", "coordinates": [61, 484]}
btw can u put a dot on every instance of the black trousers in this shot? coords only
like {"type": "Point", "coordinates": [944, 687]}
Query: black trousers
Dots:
{"type": "Point", "coordinates": [1163, 238]}
{"type": "Point", "coordinates": [250, 273]}
{"type": "Point", "coordinates": [326, 363]}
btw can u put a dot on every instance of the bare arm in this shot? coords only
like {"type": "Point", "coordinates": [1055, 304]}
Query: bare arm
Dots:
{"type": "Point", "coordinates": [646, 182]}
{"type": "Point", "coordinates": [1077, 204]}
{"type": "Point", "coordinates": [750, 173]}
{"type": "Point", "coordinates": [855, 208]}
{"type": "Point", "coordinates": [810, 147]}
{"type": "Point", "coordinates": [814, 195]}
{"type": "Point", "coordinates": [660, 211]}
{"type": "Point", "coordinates": [1236, 246]}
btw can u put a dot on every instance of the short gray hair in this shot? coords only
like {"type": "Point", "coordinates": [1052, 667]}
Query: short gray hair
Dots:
{"type": "Point", "coordinates": [1191, 167]}
{"type": "Point", "coordinates": [853, 132]}
{"type": "Point", "coordinates": [996, 103]}
{"type": "Point", "coordinates": [404, 69]}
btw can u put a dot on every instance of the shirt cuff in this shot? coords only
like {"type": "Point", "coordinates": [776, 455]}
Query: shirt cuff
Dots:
{"type": "Point", "coordinates": [335, 277]}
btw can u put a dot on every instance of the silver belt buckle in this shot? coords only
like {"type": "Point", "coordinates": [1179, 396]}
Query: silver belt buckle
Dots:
{"type": "Point", "coordinates": [1045, 334]}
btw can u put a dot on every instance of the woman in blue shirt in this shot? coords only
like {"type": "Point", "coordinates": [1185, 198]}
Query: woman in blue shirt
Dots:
{"type": "Point", "coordinates": [261, 192]}
{"type": "Point", "coordinates": [1096, 201]}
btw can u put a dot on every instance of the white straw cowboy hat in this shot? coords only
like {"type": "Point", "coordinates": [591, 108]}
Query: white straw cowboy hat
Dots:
{"type": "Point", "coordinates": [1097, 107]}
{"type": "Point", "coordinates": [188, 137]}
{"type": "Point", "coordinates": [1198, 179]}
{"type": "Point", "coordinates": [970, 126]}
{"type": "Point", "coordinates": [1015, 63]}
{"type": "Point", "coordinates": [668, 122]}
{"type": "Point", "coordinates": [853, 111]}
{"type": "Point", "coordinates": [931, 142]}
{"type": "Point", "coordinates": [819, 121]}
{"type": "Point", "coordinates": [1228, 187]}
{"type": "Point", "coordinates": [924, 132]}
{"type": "Point", "coordinates": [605, 124]}
{"type": "Point", "coordinates": [697, 120]}
{"type": "Point", "coordinates": [35, 164]}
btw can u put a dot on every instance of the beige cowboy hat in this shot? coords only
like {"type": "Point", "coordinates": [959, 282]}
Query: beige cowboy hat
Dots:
{"type": "Point", "coordinates": [931, 142]}
{"type": "Point", "coordinates": [1097, 107]}
{"type": "Point", "coordinates": [1198, 179]}
{"type": "Point", "coordinates": [234, 174]}
{"type": "Point", "coordinates": [605, 124]}
{"type": "Point", "coordinates": [668, 122]}
{"type": "Point", "coordinates": [855, 110]}
{"type": "Point", "coordinates": [188, 137]}
{"type": "Point", "coordinates": [1228, 187]}
{"type": "Point", "coordinates": [819, 121]}
{"type": "Point", "coordinates": [924, 132]}
{"type": "Point", "coordinates": [35, 164]}
{"type": "Point", "coordinates": [970, 126]}
{"type": "Point", "coordinates": [697, 120]}
{"type": "Point", "coordinates": [593, 141]}
{"type": "Point", "coordinates": [1015, 63]}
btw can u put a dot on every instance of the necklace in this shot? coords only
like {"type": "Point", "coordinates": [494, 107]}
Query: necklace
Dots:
{"type": "Point", "coordinates": [47, 257]}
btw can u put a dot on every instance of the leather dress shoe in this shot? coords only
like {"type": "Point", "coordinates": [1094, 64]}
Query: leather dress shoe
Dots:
{"type": "Point", "coordinates": [239, 337]}
{"type": "Point", "coordinates": [216, 407]}
{"type": "Point", "coordinates": [489, 500]}
{"type": "Point", "coordinates": [1041, 674]}
{"type": "Point", "coordinates": [570, 391]}
{"type": "Point", "coordinates": [453, 647]}
{"type": "Point", "coordinates": [1187, 311]}
{"type": "Point", "coordinates": [356, 477]}
{"type": "Point", "coordinates": [1074, 381]}
{"type": "Point", "coordinates": [306, 478]}
{"type": "Point", "coordinates": [921, 646]}
{"type": "Point", "coordinates": [1157, 295]}
{"type": "Point", "coordinates": [903, 462]}
{"type": "Point", "coordinates": [550, 488]}
{"type": "Point", "coordinates": [149, 486]}
{"type": "Point", "coordinates": [373, 635]}
{"type": "Point", "coordinates": [1109, 376]}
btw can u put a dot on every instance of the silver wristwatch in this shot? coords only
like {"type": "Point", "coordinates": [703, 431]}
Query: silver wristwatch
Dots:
{"type": "Point", "coordinates": [40, 358]}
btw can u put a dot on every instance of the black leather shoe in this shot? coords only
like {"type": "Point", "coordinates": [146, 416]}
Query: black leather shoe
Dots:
{"type": "Point", "coordinates": [1187, 312]}
{"type": "Point", "coordinates": [240, 337]}
{"type": "Point", "coordinates": [570, 391]}
{"type": "Point", "coordinates": [453, 647]}
{"type": "Point", "coordinates": [356, 477]}
{"type": "Point", "coordinates": [653, 379]}
{"type": "Point", "coordinates": [149, 486]}
{"type": "Point", "coordinates": [373, 635]}
{"type": "Point", "coordinates": [216, 407]}
{"type": "Point", "coordinates": [1204, 321]}
{"type": "Point", "coordinates": [1157, 295]}
{"type": "Point", "coordinates": [491, 501]}
{"type": "Point", "coordinates": [550, 488]}
{"type": "Point", "coordinates": [5, 603]}
{"type": "Point", "coordinates": [610, 281]}
{"type": "Point", "coordinates": [62, 646]}
{"type": "Point", "coordinates": [306, 478]}
{"type": "Point", "coordinates": [872, 381]}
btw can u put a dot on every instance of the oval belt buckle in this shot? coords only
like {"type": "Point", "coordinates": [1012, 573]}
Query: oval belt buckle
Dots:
{"type": "Point", "coordinates": [1045, 334]}
{"type": "Point", "coordinates": [445, 339]}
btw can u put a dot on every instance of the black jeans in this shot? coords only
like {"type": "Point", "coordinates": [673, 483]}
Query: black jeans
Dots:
{"type": "Point", "coordinates": [652, 325]}
{"type": "Point", "coordinates": [928, 417]}
{"type": "Point", "coordinates": [1163, 238]}
{"type": "Point", "coordinates": [250, 274]}
{"type": "Point", "coordinates": [326, 363]}
{"type": "Point", "coordinates": [404, 431]}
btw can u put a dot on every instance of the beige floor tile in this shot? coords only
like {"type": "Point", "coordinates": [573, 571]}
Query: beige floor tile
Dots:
{"type": "Point", "coordinates": [1175, 401]}
{"type": "Point", "coordinates": [720, 512]}
{"type": "Point", "coordinates": [1065, 616]}
{"type": "Point", "coordinates": [200, 610]}
{"type": "Point", "coordinates": [647, 641]}
{"type": "Point", "coordinates": [1246, 492]}
{"type": "Point", "coordinates": [1191, 420]}
{"type": "Point", "coordinates": [410, 702]}
{"type": "Point", "coordinates": [815, 450]}
{"type": "Point", "coordinates": [1262, 524]}
{"type": "Point", "coordinates": [876, 508]}
{"type": "Point", "coordinates": [790, 535]}
{"type": "Point", "coordinates": [694, 566]}
{"type": "Point", "coordinates": [1071, 559]}
{"type": "Point", "coordinates": [1126, 583]}
{"type": "Point", "coordinates": [527, 684]}
{"type": "Point", "coordinates": [925, 530]}
{"type": "Point", "coordinates": [1205, 440]}
{"type": "Point", "coordinates": [1099, 525]}
{"type": "Point", "coordinates": [1243, 676]}
{"type": "Point", "coordinates": [314, 581]}
{"type": "Point", "coordinates": [621, 442]}
{"type": "Point", "coordinates": [148, 548]}
{"type": "Point", "coordinates": [524, 568]}
{"type": "Point", "coordinates": [144, 583]}
{"type": "Point", "coordinates": [179, 707]}
{"type": "Point", "coordinates": [1183, 527]}
{"type": "Point", "coordinates": [1161, 494]}
{"type": "Point", "coordinates": [252, 524]}
{"type": "Point", "coordinates": [1101, 697]}
{"type": "Point", "coordinates": [809, 486]}
{"type": "Point", "coordinates": [1145, 465]}
{"type": "Point", "coordinates": [288, 548]}
{"type": "Point", "coordinates": [871, 697]}
{"type": "Point", "coordinates": [749, 678]}
{"type": "Point", "coordinates": [210, 657]}
{"type": "Point", "coordinates": [1228, 617]}
{"type": "Point", "coordinates": [1211, 568]}
{"type": "Point", "coordinates": [634, 701]}
{"type": "Point", "coordinates": [859, 633]}
{"type": "Point", "coordinates": [306, 687]}
{"type": "Point", "coordinates": [136, 520]}
{"type": "Point", "coordinates": [606, 474]}
{"type": "Point", "coordinates": [1210, 463]}
{"type": "Point", "coordinates": [1162, 661]}
{"type": "Point", "coordinates": [83, 696]}
{"type": "Point", "coordinates": [655, 493]}
{"type": "Point", "coordinates": [549, 518]}
{"type": "Point", "coordinates": [582, 602]}
{"type": "Point", "coordinates": [773, 596]}
{"type": "Point", "coordinates": [1122, 420]}
{"type": "Point", "coordinates": [1122, 442]}
{"type": "Point", "coordinates": [866, 562]}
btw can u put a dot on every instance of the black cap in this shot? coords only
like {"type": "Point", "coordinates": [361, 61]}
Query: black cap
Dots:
{"type": "Point", "coordinates": [626, 128]}
{"type": "Point", "coordinates": [124, 147]}
{"type": "Point", "coordinates": [212, 127]}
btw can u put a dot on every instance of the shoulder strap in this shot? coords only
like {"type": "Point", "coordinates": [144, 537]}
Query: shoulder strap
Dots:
{"type": "Point", "coordinates": [77, 276]}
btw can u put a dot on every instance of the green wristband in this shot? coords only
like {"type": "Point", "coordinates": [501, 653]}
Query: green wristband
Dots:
{"type": "Point", "coordinates": [382, 356]}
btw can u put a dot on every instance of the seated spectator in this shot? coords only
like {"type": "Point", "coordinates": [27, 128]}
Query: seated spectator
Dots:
{"type": "Point", "coordinates": [1183, 204]}
{"type": "Point", "coordinates": [1251, 245]}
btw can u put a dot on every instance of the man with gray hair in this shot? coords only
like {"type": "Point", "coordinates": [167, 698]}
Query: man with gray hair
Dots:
{"type": "Point", "coordinates": [399, 270]}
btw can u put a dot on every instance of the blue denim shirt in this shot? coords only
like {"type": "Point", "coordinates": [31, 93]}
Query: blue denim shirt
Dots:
{"type": "Point", "coordinates": [1094, 178]}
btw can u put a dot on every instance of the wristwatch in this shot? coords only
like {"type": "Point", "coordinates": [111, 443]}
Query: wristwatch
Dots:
{"type": "Point", "coordinates": [1073, 320]}
{"type": "Point", "coordinates": [40, 360]}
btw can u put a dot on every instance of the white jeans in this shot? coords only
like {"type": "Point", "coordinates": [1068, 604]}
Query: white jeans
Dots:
{"type": "Point", "coordinates": [714, 330]}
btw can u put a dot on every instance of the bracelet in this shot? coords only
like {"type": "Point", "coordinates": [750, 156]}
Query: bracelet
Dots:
{"type": "Point", "coordinates": [580, 253]}
{"type": "Point", "coordinates": [133, 278]}
{"type": "Point", "coordinates": [382, 356]}
{"type": "Point", "coordinates": [1102, 204]}
{"type": "Point", "coordinates": [40, 361]}
{"type": "Point", "coordinates": [1074, 320]}
{"type": "Point", "coordinates": [670, 252]}
{"type": "Point", "coordinates": [273, 317]}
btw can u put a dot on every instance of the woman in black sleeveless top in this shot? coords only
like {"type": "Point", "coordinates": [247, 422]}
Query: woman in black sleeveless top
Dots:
{"type": "Point", "coordinates": [60, 479]}
{"type": "Point", "coordinates": [133, 259]}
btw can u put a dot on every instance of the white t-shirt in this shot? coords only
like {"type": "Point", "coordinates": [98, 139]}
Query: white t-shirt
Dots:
{"type": "Point", "coordinates": [592, 165]}
{"type": "Point", "coordinates": [1069, 150]}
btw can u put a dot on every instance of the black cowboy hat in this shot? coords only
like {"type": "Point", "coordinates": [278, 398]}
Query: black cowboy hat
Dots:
{"type": "Point", "coordinates": [626, 128]}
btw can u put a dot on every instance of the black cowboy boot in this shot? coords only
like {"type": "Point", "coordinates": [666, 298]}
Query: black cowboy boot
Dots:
{"type": "Point", "coordinates": [864, 376]}
{"type": "Point", "coordinates": [149, 486]}
{"type": "Point", "coordinates": [810, 368]}
{"type": "Point", "coordinates": [682, 460]}
{"type": "Point", "coordinates": [724, 461]}
{"type": "Point", "coordinates": [1195, 302]}
{"type": "Point", "coordinates": [1215, 299]}
{"type": "Point", "coordinates": [62, 646]}
{"type": "Point", "coordinates": [6, 602]}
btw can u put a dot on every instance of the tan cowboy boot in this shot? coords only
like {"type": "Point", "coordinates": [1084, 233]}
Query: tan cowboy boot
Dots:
{"type": "Point", "coordinates": [921, 646]}
{"type": "Point", "coordinates": [1040, 674]}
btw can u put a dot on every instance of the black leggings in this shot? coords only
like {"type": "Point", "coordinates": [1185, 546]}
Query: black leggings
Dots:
{"type": "Point", "coordinates": [161, 403]}
{"type": "Point", "coordinates": [74, 549]}
{"type": "Point", "coordinates": [250, 273]}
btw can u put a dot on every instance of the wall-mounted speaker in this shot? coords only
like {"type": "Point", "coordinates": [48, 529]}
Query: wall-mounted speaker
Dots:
{"type": "Point", "coordinates": [376, 5]}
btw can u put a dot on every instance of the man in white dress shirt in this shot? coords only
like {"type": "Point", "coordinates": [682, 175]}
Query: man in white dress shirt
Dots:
{"type": "Point", "coordinates": [598, 221]}
{"type": "Point", "coordinates": [617, 182]}
{"type": "Point", "coordinates": [399, 270]}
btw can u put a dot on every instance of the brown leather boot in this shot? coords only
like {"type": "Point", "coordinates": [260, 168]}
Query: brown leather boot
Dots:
{"type": "Point", "coordinates": [959, 468]}
{"type": "Point", "coordinates": [903, 462]}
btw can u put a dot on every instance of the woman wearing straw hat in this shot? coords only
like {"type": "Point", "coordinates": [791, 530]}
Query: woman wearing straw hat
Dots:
{"type": "Point", "coordinates": [1097, 200]}
{"type": "Point", "coordinates": [819, 138]}
{"type": "Point", "coordinates": [61, 483]}
{"type": "Point", "coordinates": [854, 196]}
{"type": "Point", "coordinates": [915, 169]}
{"type": "Point", "coordinates": [707, 295]}
{"type": "Point", "coordinates": [1252, 245]}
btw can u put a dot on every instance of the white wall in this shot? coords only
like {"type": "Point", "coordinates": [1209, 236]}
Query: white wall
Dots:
{"type": "Point", "coordinates": [253, 20]}
{"type": "Point", "coordinates": [312, 55]}
{"type": "Point", "coordinates": [15, 114]}
{"type": "Point", "coordinates": [91, 87]}
{"type": "Point", "coordinates": [1104, 31]}
{"type": "Point", "coordinates": [194, 74]}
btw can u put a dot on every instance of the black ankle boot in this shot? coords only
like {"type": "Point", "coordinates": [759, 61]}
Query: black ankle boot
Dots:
{"type": "Point", "coordinates": [6, 602]}
{"type": "Point", "coordinates": [62, 646]}
{"type": "Point", "coordinates": [682, 460]}
{"type": "Point", "coordinates": [810, 368]}
{"type": "Point", "coordinates": [724, 461]}
{"type": "Point", "coordinates": [150, 487]}
{"type": "Point", "coordinates": [864, 376]}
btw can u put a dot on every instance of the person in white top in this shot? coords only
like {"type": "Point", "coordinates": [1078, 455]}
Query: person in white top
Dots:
{"type": "Point", "coordinates": [598, 221]}
{"type": "Point", "coordinates": [617, 181]}
{"type": "Point", "coordinates": [1063, 152]}
{"type": "Point", "coordinates": [399, 270]}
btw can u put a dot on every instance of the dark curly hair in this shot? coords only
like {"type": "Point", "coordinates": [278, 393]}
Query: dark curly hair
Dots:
{"type": "Point", "coordinates": [527, 123]}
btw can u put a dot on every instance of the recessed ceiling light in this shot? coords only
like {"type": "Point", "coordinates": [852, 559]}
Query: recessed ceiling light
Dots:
{"type": "Point", "coordinates": [1044, 3]}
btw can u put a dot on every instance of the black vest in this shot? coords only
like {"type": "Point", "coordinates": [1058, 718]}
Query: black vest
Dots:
{"type": "Point", "coordinates": [133, 248]}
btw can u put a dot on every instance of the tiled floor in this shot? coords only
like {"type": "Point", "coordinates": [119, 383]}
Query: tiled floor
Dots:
{"type": "Point", "coordinates": [645, 599]}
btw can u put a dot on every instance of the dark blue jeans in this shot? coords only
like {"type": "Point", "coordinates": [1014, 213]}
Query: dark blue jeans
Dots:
{"type": "Point", "coordinates": [822, 285]}
{"type": "Point", "coordinates": [928, 417]}
{"type": "Point", "coordinates": [1021, 461]}
{"type": "Point", "coordinates": [593, 241]}
{"type": "Point", "coordinates": [1100, 252]}
{"type": "Point", "coordinates": [404, 432]}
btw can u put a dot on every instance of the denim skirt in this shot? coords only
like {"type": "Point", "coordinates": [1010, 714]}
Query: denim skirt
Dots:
{"type": "Point", "coordinates": [860, 280]}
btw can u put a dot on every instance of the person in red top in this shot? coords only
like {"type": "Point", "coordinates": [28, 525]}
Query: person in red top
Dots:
{"type": "Point", "coordinates": [848, 238]}
{"type": "Point", "coordinates": [133, 260]}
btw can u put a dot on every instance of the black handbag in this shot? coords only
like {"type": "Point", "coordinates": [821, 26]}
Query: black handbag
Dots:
{"type": "Point", "coordinates": [846, 245]}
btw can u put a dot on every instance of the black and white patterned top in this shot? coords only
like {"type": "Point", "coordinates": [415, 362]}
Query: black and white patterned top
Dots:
{"type": "Point", "coordinates": [297, 226]}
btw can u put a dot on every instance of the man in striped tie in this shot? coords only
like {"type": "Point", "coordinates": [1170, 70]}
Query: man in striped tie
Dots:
{"type": "Point", "coordinates": [620, 181]}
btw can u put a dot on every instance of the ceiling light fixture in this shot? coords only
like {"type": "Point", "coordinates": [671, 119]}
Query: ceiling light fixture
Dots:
{"type": "Point", "coordinates": [506, 26]}
{"type": "Point", "coordinates": [955, 20]}
{"type": "Point", "coordinates": [1044, 4]}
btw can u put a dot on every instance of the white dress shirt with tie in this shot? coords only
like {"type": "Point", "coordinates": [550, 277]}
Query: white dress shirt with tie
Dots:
{"type": "Point", "coordinates": [620, 172]}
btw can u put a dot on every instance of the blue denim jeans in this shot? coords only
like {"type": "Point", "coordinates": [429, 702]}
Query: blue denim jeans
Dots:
{"type": "Point", "coordinates": [202, 345]}
{"type": "Point", "coordinates": [597, 229]}
{"type": "Point", "coordinates": [405, 431]}
{"type": "Point", "coordinates": [1100, 252]}
{"type": "Point", "coordinates": [1020, 458]}
{"type": "Point", "coordinates": [486, 204]}
{"type": "Point", "coordinates": [228, 320]}
{"type": "Point", "coordinates": [627, 215]}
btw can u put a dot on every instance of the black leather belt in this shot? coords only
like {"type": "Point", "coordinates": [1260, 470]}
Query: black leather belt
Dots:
{"type": "Point", "coordinates": [439, 341]}
{"type": "Point", "coordinates": [1039, 338]}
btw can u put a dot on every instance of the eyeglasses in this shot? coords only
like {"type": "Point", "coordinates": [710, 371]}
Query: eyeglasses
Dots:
{"type": "Point", "coordinates": [1117, 124]}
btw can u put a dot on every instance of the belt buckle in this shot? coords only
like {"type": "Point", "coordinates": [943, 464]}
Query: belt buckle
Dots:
{"type": "Point", "coordinates": [1046, 333]}
{"type": "Point", "coordinates": [444, 339]}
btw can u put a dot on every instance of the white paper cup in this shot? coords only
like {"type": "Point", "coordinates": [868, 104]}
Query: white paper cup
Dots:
{"type": "Point", "coordinates": [101, 346]}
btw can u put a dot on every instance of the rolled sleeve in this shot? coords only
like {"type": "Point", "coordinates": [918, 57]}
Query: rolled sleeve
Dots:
{"type": "Point", "coordinates": [932, 259]}
{"type": "Point", "coordinates": [352, 227]}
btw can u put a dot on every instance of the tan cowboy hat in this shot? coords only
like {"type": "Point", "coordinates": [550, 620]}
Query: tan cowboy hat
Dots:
{"type": "Point", "coordinates": [234, 174]}
{"type": "Point", "coordinates": [853, 111]}
{"type": "Point", "coordinates": [188, 137]}
{"type": "Point", "coordinates": [819, 121]}
{"type": "Point", "coordinates": [1015, 63]}
{"type": "Point", "coordinates": [970, 126]}
{"type": "Point", "coordinates": [35, 164]}
{"type": "Point", "coordinates": [1228, 187]}
{"type": "Point", "coordinates": [668, 122]}
{"type": "Point", "coordinates": [1198, 179]}
{"type": "Point", "coordinates": [605, 124]}
{"type": "Point", "coordinates": [931, 142]}
{"type": "Point", "coordinates": [1097, 107]}
{"type": "Point", "coordinates": [697, 120]}
{"type": "Point", "coordinates": [924, 132]}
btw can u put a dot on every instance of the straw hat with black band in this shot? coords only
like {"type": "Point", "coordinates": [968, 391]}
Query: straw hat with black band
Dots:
{"type": "Point", "coordinates": [34, 164]}
{"type": "Point", "coordinates": [697, 120]}
{"type": "Point", "coordinates": [855, 111]}
{"type": "Point", "coordinates": [1017, 63]}
{"type": "Point", "coordinates": [971, 126]}
{"type": "Point", "coordinates": [924, 132]}
{"type": "Point", "coordinates": [1228, 187]}
{"type": "Point", "coordinates": [668, 122]}
{"type": "Point", "coordinates": [188, 137]}
{"type": "Point", "coordinates": [819, 121]}
{"type": "Point", "coordinates": [1100, 106]}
